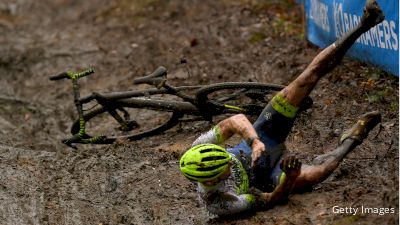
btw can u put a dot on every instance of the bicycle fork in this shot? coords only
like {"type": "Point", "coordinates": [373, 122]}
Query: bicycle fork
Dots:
{"type": "Point", "coordinates": [81, 136]}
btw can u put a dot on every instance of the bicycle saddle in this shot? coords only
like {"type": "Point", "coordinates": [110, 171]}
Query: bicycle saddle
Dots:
{"type": "Point", "coordinates": [157, 78]}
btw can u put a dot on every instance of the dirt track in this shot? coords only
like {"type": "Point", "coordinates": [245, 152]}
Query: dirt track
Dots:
{"type": "Point", "coordinates": [44, 182]}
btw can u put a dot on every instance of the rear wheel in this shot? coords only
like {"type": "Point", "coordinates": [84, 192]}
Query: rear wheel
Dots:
{"type": "Point", "coordinates": [248, 98]}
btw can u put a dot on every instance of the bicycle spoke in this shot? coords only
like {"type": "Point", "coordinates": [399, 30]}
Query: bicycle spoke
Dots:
{"type": "Point", "coordinates": [143, 121]}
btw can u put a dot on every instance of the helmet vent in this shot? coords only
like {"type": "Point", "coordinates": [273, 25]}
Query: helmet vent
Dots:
{"type": "Point", "coordinates": [196, 163]}
{"type": "Point", "coordinates": [211, 167]}
{"type": "Point", "coordinates": [211, 150]}
{"type": "Point", "coordinates": [193, 177]}
{"type": "Point", "coordinates": [212, 158]}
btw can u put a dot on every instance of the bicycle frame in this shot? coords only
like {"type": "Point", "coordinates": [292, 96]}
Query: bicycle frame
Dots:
{"type": "Point", "coordinates": [135, 93]}
{"type": "Point", "coordinates": [197, 104]}
{"type": "Point", "coordinates": [133, 99]}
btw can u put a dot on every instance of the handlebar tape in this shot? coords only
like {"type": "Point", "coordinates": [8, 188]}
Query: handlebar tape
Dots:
{"type": "Point", "coordinates": [71, 75]}
{"type": "Point", "coordinates": [83, 73]}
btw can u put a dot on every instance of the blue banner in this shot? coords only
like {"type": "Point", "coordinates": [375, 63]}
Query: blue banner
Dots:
{"type": "Point", "coordinates": [327, 20]}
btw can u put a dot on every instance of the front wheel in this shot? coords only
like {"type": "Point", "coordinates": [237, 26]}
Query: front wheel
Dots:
{"type": "Point", "coordinates": [132, 123]}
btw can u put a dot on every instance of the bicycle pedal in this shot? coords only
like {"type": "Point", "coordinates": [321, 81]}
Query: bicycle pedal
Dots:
{"type": "Point", "coordinates": [130, 125]}
{"type": "Point", "coordinates": [69, 143]}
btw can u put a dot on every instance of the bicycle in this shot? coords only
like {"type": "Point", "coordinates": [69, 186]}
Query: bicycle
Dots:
{"type": "Point", "coordinates": [207, 102]}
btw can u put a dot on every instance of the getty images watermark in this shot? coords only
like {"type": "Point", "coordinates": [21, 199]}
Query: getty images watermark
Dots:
{"type": "Point", "coordinates": [362, 210]}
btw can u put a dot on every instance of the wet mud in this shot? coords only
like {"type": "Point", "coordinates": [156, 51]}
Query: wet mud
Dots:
{"type": "Point", "coordinates": [43, 181]}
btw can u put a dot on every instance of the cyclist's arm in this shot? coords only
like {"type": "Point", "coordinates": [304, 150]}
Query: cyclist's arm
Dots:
{"type": "Point", "coordinates": [230, 204]}
{"type": "Point", "coordinates": [239, 124]}
{"type": "Point", "coordinates": [291, 170]}
{"type": "Point", "coordinates": [225, 203]}
{"type": "Point", "coordinates": [281, 192]}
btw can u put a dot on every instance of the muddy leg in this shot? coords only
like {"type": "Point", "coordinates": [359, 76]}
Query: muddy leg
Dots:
{"type": "Point", "coordinates": [324, 165]}
{"type": "Point", "coordinates": [330, 57]}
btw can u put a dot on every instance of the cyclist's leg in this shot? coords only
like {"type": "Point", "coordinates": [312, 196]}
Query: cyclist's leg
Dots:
{"type": "Point", "coordinates": [330, 57]}
{"type": "Point", "coordinates": [276, 120]}
{"type": "Point", "coordinates": [324, 165]}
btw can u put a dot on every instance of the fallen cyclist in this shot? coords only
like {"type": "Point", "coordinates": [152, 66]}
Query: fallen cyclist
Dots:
{"type": "Point", "coordinates": [253, 173]}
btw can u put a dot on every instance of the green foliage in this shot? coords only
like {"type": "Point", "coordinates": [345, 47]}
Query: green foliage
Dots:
{"type": "Point", "coordinates": [376, 74]}
{"type": "Point", "coordinates": [377, 87]}
{"type": "Point", "coordinates": [394, 106]}
{"type": "Point", "coordinates": [352, 219]}
{"type": "Point", "coordinates": [376, 96]}
{"type": "Point", "coordinates": [256, 37]}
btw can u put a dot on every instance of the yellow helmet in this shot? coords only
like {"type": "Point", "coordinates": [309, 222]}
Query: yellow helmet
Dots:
{"type": "Point", "coordinates": [204, 162]}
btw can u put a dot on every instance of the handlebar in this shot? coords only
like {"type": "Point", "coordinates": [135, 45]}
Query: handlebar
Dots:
{"type": "Point", "coordinates": [72, 75]}
{"type": "Point", "coordinates": [60, 76]}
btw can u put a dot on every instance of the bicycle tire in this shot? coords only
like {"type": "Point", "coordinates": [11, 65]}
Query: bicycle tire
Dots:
{"type": "Point", "coordinates": [231, 85]}
{"type": "Point", "coordinates": [162, 119]}
{"type": "Point", "coordinates": [265, 90]}
{"type": "Point", "coordinates": [251, 105]}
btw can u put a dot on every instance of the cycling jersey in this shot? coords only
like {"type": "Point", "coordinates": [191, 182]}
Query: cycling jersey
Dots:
{"type": "Point", "coordinates": [231, 196]}
{"type": "Point", "coordinates": [228, 196]}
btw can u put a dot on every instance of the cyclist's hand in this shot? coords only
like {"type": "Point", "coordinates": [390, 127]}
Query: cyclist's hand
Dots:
{"type": "Point", "coordinates": [258, 149]}
{"type": "Point", "coordinates": [291, 166]}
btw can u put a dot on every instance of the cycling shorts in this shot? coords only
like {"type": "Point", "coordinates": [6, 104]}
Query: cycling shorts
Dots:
{"type": "Point", "coordinates": [272, 126]}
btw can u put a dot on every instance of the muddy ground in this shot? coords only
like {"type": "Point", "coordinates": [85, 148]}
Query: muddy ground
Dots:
{"type": "Point", "coordinates": [44, 182]}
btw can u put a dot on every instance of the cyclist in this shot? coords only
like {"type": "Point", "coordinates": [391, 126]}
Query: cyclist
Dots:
{"type": "Point", "coordinates": [225, 175]}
